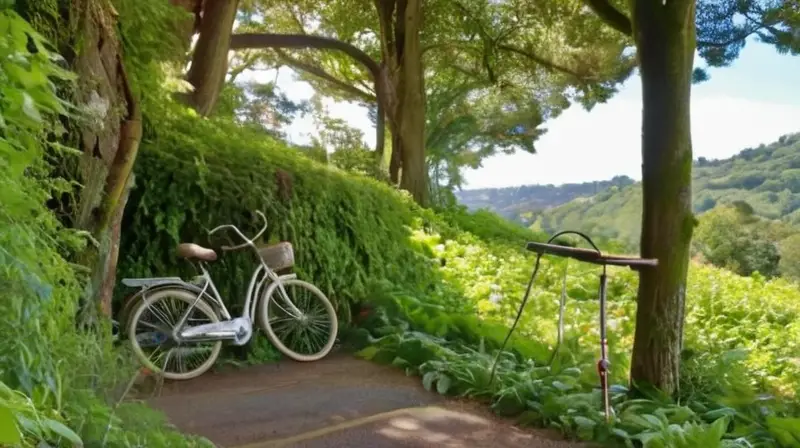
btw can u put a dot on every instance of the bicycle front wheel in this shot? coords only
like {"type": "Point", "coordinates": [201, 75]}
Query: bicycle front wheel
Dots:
{"type": "Point", "coordinates": [306, 337]}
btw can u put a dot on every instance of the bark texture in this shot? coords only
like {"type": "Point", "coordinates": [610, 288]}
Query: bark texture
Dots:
{"type": "Point", "coordinates": [400, 22]}
{"type": "Point", "coordinates": [665, 40]}
{"type": "Point", "coordinates": [412, 117]}
{"type": "Point", "coordinates": [210, 58]}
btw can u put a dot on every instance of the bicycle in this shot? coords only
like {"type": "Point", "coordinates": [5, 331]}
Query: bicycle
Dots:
{"type": "Point", "coordinates": [201, 295]}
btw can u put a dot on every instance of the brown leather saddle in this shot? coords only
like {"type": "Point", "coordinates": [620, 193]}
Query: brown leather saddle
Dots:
{"type": "Point", "coordinates": [191, 251]}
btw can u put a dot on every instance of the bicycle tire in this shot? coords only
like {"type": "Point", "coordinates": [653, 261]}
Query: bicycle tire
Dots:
{"type": "Point", "coordinates": [264, 321]}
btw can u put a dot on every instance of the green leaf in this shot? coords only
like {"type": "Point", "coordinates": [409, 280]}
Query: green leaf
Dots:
{"type": "Point", "coordinates": [61, 430]}
{"type": "Point", "coordinates": [367, 353]}
{"type": "Point", "coordinates": [654, 421]}
{"type": "Point", "coordinates": [29, 107]}
{"type": "Point", "coordinates": [717, 429]}
{"type": "Point", "coordinates": [428, 379]}
{"type": "Point", "coordinates": [786, 430]}
{"type": "Point", "coordinates": [443, 385]}
{"type": "Point", "coordinates": [9, 433]}
{"type": "Point", "coordinates": [584, 422]}
{"type": "Point", "coordinates": [561, 386]}
{"type": "Point", "coordinates": [717, 413]}
{"type": "Point", "coordinates": [621, 433]}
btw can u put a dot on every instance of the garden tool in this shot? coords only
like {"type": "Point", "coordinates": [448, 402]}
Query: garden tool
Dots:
{"type": "Point", "coordinates": [589, 256]}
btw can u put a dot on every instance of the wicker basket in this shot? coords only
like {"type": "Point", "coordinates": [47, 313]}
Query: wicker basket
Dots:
{"type": "Point", "coordinates": [277, 256]}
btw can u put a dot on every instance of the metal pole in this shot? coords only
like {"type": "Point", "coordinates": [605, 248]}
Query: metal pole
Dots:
{"type": "Point", "coordinates": [603, 364]}
{"type": "Point", "coordinates": [561, 306]}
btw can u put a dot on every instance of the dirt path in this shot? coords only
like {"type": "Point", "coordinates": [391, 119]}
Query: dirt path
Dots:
{"type": "Point", "coordinates": [340, 401]}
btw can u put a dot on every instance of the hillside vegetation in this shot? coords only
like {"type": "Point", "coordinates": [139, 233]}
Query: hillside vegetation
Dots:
{"type": "Point", "coordinates": [515, 203]}
{"type": "Point", "coordinates": [767, 178]}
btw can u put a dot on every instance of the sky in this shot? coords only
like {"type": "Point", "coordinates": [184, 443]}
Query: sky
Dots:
{"type": "Point", "coordinates": [753, 101]}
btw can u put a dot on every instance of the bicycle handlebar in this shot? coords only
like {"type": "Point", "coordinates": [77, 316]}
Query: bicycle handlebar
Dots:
{"type": "Point", "coordinates": [248, 241]}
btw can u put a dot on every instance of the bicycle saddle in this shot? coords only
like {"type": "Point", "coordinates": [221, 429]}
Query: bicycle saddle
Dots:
{"type": "Point", "coordinates": [191, 251]}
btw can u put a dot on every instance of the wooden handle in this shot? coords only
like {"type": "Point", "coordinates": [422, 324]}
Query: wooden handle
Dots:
{"type": "Point", "coordinates": [590, 256]}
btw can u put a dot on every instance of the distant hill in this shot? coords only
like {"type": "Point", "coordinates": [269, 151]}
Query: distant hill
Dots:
{"type": "Point", "coordinates": [512, 202]}
{"type": "Point", "coordinates": [767, 178]}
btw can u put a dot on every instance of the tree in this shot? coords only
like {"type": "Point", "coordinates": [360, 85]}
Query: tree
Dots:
{"type": "Point", "coordinates": [260, 105]}
{"type": "Point", "coordinates": [665, 34]}
{"type": "Point", "coordinates": [731, 237]}
{"type": "Point", "coordinates": [790, 257]}
{"type": "Point", "coordinates": [493, 72]}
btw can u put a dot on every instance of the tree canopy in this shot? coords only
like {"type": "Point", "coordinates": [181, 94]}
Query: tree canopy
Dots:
{"type": "Point", "coordinates": [494, 72]}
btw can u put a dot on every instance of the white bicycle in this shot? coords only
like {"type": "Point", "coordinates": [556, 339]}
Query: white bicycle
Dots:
{"type": "Point", "coordinates": [180, 321]}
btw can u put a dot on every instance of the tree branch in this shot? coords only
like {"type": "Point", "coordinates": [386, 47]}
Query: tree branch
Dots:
{"type": "Point", "coordinates": [383, 87]}
{"type": "Point", "coordinates": [247, 63]}
{"type": "Point", "coordinates": [549, 65]}
{"type": "Point", "coordinates": [259, 40]}
{"type": "Point", "coordinates": [323, 75]}
{"type": "Point", "coordinates": [611, 16]}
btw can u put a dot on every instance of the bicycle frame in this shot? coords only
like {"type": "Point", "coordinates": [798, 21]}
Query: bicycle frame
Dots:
{"type": "Point", "coordinates": [253, 290]}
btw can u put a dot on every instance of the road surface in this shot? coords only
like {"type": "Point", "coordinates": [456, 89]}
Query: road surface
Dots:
{"type": "Point", "coordinates": [340, 401]}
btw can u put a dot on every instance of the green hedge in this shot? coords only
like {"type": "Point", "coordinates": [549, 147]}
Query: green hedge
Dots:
{"type": "Point", "coordinates": [196, 174]}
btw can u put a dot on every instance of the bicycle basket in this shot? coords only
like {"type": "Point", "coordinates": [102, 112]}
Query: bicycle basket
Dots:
{"type": "Point", "coordinates": [277, 256]}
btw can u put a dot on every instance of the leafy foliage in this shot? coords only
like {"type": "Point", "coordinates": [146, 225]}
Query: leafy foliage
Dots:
{"type": "Point", "coordinates": [44, 399]}
{"type": "Point", "coordinates": [735, 239]}
{"type": "Point", "coordinates": [493, 72]}
{"type": "Point", "coordinates": [452, 349]}
{"type": "Point", "coordinates": [196, 174]}
{"type": "Point", "coordinates": [261, 106]}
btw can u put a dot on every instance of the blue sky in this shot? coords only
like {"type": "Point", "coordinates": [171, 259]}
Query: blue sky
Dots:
{"type": "Point", "coordinates": [756, 100]}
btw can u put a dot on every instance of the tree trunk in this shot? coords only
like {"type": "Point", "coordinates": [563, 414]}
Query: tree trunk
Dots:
{"type": "Point", "coordinates": [396, 160]}
{"type": "Point", "coordinates": [412, 117]}
{"type": "Point", "coordinates": [400, 22]}
{"type": "Point", "coordinates": [210, 58]}
{"type": "Point", "coordinates": [380, 133]}
{"type": "Point", "coordinates": [665, 40]}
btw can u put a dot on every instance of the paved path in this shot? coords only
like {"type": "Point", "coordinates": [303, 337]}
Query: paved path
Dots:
{"type": "Point", "coordinates": [340, 401]}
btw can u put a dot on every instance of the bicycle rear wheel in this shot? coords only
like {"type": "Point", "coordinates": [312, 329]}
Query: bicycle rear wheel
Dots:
{"type": "Point", "coordinates": [304, 338]}
{"type": "Point", "coordinates": [151, 323]}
